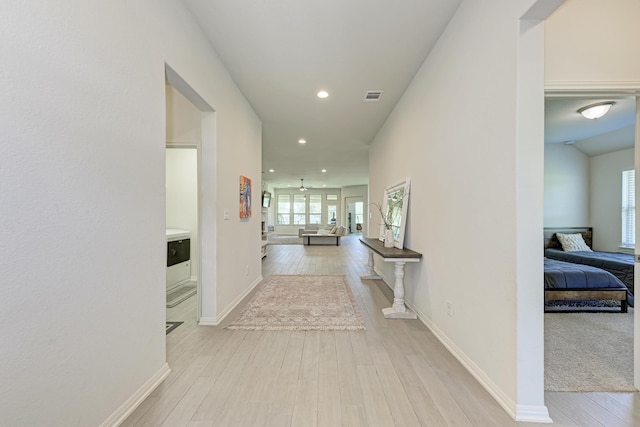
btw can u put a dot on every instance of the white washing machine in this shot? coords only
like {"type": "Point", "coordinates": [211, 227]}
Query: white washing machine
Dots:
{"type": "Point", "coordinates": [178, 257]}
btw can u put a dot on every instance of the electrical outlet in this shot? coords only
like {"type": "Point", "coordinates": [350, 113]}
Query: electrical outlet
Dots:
{"type": "Point", "coordinates": [449, 308]}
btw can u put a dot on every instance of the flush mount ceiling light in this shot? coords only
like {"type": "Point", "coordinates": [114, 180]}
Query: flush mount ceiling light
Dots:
{"type": "Point", "coordinates": [302, 187]}
{"type": "Point", "coordinates": [323, 94]}
{"type": "Point", "coordinates": [595, 111]}
{"type": "Point", "coordinates": [302, 141]}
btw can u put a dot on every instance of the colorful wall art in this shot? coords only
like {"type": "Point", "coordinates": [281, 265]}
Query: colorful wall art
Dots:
{"type": "Point", "coordinates": [245, 197]}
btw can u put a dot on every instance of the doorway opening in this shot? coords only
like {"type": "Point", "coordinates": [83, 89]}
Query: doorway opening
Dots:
{"type": "Point", "coordinates": [355, 214]}
{"type": "Point", "coordinates": [182, 234]}
{"type": "Point", "coordinates": [190, 161]}
{"type": "Point", "coordinates": [583, 187]}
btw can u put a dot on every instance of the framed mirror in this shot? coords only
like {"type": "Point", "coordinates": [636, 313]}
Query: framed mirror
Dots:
{"type": "Point", "coordinates": [395, 205]}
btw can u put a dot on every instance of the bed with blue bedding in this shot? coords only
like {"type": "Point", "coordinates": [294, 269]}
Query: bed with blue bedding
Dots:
{"type": "Point", "coordinates": [619, 264]}
{"type": "Point", "coordinates": [616, 263]}
{"type": "Point", "coordinates": [569, 282]}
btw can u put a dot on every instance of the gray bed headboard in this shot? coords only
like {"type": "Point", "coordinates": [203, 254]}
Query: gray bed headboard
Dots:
{"type": "Point", "coordinates": [551, 241]}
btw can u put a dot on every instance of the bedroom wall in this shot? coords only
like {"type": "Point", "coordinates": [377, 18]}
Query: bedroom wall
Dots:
{"type": "Point", "coordinates": [474, 188]}
{"type": "Point", "coordinates": [82, 176]}
{"type": "Point", "coordinates": [606, 196]}
{"type": "Point", "coordinates": [566, 187]}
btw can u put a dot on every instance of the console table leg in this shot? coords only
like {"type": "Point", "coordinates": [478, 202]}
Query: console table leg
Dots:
{"type": "Point", "coordinates": [399, 310]}
{"type": "Point", "coordinates": [372, 273]}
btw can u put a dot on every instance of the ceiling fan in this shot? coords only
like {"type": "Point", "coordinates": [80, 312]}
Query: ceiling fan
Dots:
{"type": "Point", "coordinates": [302, 187]}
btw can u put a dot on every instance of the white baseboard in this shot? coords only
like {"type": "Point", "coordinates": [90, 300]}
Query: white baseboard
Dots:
{"type": "Point", "coordinates": [524, 413]}
{"type": "Point", "coordinates": [215, 321]}
{"type": "Point", "coordinates": [137, 398]}
{"type": "Point", "coordinates": [532, 414]}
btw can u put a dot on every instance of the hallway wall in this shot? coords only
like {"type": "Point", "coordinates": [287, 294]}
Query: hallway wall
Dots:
{"type": "Point", "coordinates": [82, 174]}
{"type": "Point", "coordinates": [467, 165]}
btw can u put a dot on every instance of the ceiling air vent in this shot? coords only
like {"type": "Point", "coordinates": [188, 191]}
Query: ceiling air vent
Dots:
{"type": "Point", "coordinates": [372, 95]}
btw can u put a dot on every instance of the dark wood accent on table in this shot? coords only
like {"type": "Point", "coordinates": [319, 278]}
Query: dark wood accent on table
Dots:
{"type": "Point", "coordinates": [377, 246]}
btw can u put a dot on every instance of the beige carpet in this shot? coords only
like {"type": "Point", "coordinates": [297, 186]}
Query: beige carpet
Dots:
{"type": "Point", "coordinates": [301, 302]}
{"type": "Point", "coordinates": [588, 351]}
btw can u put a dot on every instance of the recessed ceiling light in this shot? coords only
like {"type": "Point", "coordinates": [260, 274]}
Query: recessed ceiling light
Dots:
{"type": "Point", "coordinates": [324, 170]}
{"type": "Point", "coordinates": [323, 94]}
{"type": "Point", "coordinates": [302, 141]}
{"type": "Point", "coordinates": [324, 185]}
{"type": "Point", "coordinates": [271, 170]}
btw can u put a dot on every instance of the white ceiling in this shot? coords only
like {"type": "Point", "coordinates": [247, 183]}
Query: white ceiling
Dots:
{"type": "Point", "coordinates": [613, 132]}
{"type": "Point", "coordinates": [281, 53]}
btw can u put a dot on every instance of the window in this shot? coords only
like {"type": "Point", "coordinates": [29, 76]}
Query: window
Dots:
{"type": "Point", "coordinates": [315, 208]}
{"type": "Point", "coordinates": [284, 209]}
{"type": "Point", "coordinates": [299, 209]}
{"type": "Point", "coordinates": [332, 197]}
{"type": "Point", "coordinates": [359, 212]}
{"type": "Point", "coordinates": [628, 208]}
{"type": "Point", "coordinates": [332, 214]}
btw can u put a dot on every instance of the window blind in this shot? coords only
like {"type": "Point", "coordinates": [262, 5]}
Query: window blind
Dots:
{"type": "Point", "coordinates": [283, 207]}
{"type": "Point", "coordinates": [315, 208]}
{"type": "Point", "coordinates": [299, 209]}
{"type": "Point", "coordinates": [628, 208]}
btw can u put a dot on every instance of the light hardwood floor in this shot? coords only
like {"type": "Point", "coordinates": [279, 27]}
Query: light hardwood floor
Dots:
{"type": "Point", "coordinates": [396, 373]}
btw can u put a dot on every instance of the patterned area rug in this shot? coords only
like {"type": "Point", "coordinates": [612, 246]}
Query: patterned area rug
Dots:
{"type": "Point", "coordinates": [301, 302]}
{"type": "Point", "coordinates": [284, 239]}
{"type": "Point", "coordinates": [588, 352]}
{"type": "Point", "coordinates": [578, 306]}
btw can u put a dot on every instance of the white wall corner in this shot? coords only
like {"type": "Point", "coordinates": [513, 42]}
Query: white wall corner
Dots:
{"type": "Point", "coordinates": [130, 405]}
{"type": "Point", "coordinates": [215, 321]}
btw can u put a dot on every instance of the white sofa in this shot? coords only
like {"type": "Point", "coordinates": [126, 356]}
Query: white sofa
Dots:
{"type": "Point", "coordinates": [326, 235]}
{"type": "Point", "coordinates": [308, 229]}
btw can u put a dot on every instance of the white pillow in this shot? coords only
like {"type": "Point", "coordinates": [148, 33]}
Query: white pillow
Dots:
{"type": "Point", "coordinates": [323, 231]}
{"type": "Point", "coordinates": [573, 243]}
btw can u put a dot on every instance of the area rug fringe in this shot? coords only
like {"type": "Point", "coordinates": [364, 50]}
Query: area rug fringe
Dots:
{"type": "Point", "coordinates": [302, 302]}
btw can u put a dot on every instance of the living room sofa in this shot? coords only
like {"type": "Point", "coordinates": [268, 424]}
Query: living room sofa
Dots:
{"type": "Point", "coordinates": [326, 235]}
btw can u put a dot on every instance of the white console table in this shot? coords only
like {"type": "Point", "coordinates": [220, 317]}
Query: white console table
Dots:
{"type": "Point", "coordinates": [399, 257]}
